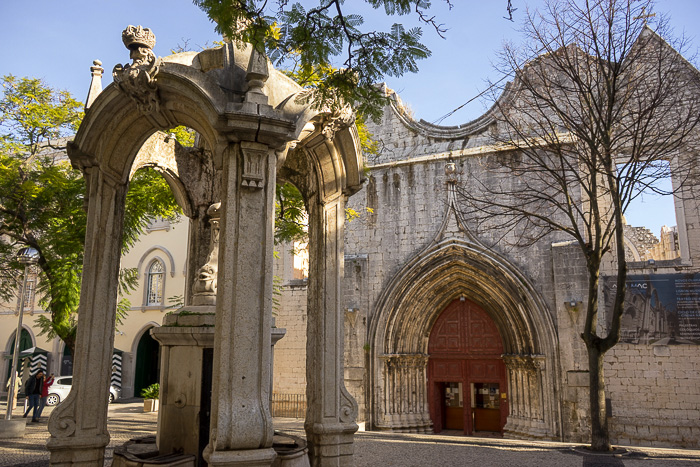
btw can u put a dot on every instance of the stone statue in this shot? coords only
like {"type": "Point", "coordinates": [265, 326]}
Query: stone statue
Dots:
{"type": "Point", "coordinates": [204, 288]}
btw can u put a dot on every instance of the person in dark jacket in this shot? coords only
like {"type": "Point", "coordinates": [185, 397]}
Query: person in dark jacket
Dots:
{"type": "Point", "coordinates": [33, 388]}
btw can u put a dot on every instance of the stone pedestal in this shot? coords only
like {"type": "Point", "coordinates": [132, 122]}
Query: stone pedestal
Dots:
{"type": "Point", "coordinates": [183, 338]}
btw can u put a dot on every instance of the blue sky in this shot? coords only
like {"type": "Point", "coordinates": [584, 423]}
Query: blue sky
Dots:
{"type": "Point", "coordinates": [57, 41]}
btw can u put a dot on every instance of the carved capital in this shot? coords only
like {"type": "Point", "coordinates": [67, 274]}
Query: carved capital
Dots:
{"type": "Point", "coordinates": [405, 361]}
{"type": "Point", "coordinates": [527, 363]}
{"type": "Point", "coordinates": [254, 161]}
{"type": "Point", "coordinates": [137, 80]}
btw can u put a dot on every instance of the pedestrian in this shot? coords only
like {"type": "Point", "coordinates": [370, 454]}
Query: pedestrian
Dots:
{"type": "Point", "coordinates": [32, 388]}
{"type": "Point", "coordinates": [18, 383]}
{"type": "Point", "coordinates": [45, 394]}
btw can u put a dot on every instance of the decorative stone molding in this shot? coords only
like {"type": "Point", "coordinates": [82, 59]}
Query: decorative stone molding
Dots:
{"type": "Point", "coordinates": [337, 121]}
{"type": "Point", "coordinates": [146, 255]}
{"type": "Point", "coordinates": [348, 406]}
{"type": "Point", "coordinates": [137, 80]}
{"type": "Point", "coordinates": [451, 171]}
{"type": "Point", "coordinates": [456, 132]}
{"type": "Point", "coordinates": [253, 165]}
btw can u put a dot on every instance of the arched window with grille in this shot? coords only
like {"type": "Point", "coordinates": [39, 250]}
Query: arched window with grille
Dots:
{"type": "Point", "coordinates": [154, 283]}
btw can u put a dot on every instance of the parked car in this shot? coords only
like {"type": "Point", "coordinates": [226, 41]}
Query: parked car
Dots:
{"type": "Point", "coordinates": [61, 387]}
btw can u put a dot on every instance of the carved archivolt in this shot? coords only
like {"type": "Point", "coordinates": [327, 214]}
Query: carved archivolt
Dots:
{"type": "Point", "coordinates": [407, 312]}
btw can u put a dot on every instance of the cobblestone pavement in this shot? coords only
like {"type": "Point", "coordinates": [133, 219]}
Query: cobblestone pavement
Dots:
{"type": "Point", "coordinates": [127, 420]}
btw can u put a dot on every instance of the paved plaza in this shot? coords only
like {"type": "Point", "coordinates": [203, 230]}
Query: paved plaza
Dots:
{"type": "Point", "coordinates": [127, 420]}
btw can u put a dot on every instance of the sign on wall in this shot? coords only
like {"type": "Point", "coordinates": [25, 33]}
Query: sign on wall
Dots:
{"type": "Point", "coordinates": [662, 309]}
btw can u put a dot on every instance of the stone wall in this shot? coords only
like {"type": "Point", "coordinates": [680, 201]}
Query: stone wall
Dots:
{"type": "Point", "coordinates": [290, 352]}
{"type": "Point", "coordinates": [654, 391]}
{"type": "Point", "coordinates": [655, 395]}
{"type": "Point", "coordinates": [570, 285]}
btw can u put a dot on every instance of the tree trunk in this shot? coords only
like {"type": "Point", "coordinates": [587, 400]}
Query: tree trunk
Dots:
{"type": "Point", "coordinates": [600, 436]}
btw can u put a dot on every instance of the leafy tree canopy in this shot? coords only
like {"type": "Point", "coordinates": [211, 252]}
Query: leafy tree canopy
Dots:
{"type": "Point", "coordinates": [328, 41]}
{"type": "Point", "coordinates": [42, 200]}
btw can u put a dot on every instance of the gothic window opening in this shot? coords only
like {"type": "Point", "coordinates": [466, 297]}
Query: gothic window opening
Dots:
{"type": "Point", "coordinates": [154, 282]}
{"type": "Point", "coordinates": [652, 228]}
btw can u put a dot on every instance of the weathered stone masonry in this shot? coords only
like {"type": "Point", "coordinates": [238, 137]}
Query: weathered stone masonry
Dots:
{"type": "Point", "coordinates": [410, 254]}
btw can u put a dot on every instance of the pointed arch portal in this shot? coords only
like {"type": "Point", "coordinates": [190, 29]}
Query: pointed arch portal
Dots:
{"type": "Point", "coordinates": [408, 374]}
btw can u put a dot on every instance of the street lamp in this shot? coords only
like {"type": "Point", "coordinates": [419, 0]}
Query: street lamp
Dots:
{"type": "Point", "coordinates": [29, 257]}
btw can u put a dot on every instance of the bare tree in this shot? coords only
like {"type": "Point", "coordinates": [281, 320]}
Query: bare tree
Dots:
{"type": "Point", "coordinates": [588, 125]}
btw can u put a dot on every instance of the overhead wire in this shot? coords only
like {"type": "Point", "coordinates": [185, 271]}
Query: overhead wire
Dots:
{"type": "Point", "coordinates": [450, 113]}
{"type": "Point", "coordinates": [492, 85]}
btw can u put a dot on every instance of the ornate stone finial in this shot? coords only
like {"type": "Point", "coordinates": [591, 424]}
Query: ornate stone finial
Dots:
{"type": "Point", "coordinates": [137, 80]}
{"type": "Point", "coordinates": [136, 36]}
{"type": "Point", "coordinates": [256, 76]}
{"type": "Point", "coordinates": [95, 83]}
{"type": "Point", "coordinates": [205, 285]}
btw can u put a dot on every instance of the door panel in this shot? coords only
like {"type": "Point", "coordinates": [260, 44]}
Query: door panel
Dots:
{"type": "Point", "coordinates": [487, 420]}
{"type": "Point", "coordinates": [487, 407]}
{"type": "Point", "coordinates": [454, 406]}
{"type": "Point", "coordinates": [465, 349]}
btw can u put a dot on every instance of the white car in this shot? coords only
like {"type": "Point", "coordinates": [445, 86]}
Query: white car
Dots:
{"type": "Point", "coordinates": [61, 387]}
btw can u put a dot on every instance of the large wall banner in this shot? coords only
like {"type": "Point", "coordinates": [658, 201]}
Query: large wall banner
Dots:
{"type": "Point", "coordinates": [662, 309]}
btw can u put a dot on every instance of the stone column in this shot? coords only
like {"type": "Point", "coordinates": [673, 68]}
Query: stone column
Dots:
{"type": "Point", "coordinates": [406, 408]}
{"type": "Point", "coordinates": [526, 374]}
{"type": "Point", "coordinates": [78, 426]}
{"type": "Point", "coordinates": [330, 418]}
{"type": "Point", "coordinates": [241, 425]}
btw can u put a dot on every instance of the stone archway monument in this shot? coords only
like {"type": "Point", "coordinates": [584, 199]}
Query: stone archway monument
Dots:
{"type": "Point", "coordinates": [249, 119]}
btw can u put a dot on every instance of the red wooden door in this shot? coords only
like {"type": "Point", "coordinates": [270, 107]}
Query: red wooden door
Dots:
{"type": "Point", "coordinates": [465, 347]}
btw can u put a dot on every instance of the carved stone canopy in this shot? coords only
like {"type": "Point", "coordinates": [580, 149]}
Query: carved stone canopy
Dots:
{"type": "Point", "coordinates": [247, 118]}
